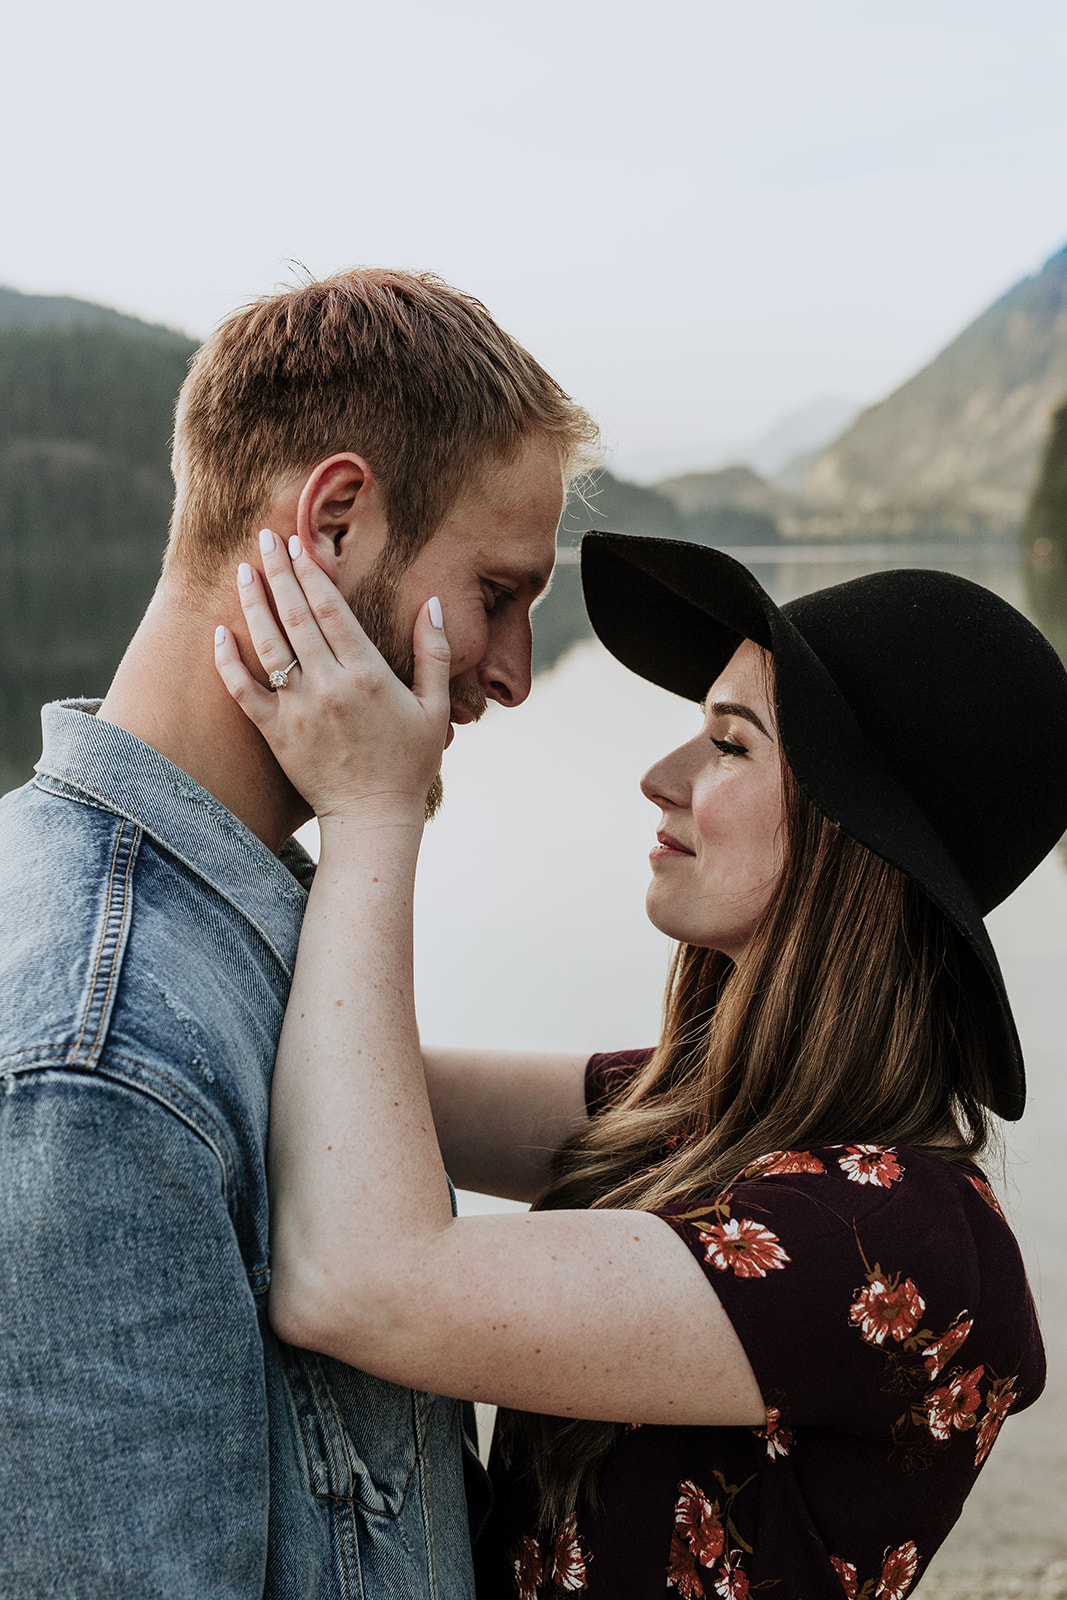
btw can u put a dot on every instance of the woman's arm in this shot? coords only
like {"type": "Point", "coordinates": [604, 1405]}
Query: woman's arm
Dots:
{"type": "Point", "coordinates": [501, 1116]}
{"type": "Point", "coordinates": [600, 1314]}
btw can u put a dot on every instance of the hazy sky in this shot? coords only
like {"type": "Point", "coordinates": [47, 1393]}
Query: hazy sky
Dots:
{"type": "Point", "coordinates": [698, 214]}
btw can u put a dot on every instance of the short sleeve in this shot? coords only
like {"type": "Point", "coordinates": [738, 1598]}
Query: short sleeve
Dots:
{"type": "Point", "coordinates": [850, 1276]}
{"type": "Point", "coordinates": [608, 1073]}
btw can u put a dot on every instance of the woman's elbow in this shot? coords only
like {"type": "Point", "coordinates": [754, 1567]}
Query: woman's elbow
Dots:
{"type": "Point", "coordinates": [295, 1306]}
{"type": "Point", "coordinates": [318, 1309]}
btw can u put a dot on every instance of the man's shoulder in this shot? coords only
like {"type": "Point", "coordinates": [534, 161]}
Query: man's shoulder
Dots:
{"type": "Point", "coordinates": [102, 917]}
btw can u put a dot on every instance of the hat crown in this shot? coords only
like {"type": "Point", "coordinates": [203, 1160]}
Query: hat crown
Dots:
{"type": "Point", "coordinates": [919, 711]}
{"type": "Point", "coordinates": [964, 701]}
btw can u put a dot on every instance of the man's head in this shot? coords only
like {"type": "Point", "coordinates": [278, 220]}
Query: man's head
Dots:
{"type": "Point", "coordinates": [398, 369]}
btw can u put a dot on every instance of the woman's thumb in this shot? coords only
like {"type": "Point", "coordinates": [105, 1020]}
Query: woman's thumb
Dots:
{"type": "Point", "coordinates": [433, 660]}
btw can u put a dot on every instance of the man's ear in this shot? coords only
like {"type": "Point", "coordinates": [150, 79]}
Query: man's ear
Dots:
{"type": "Point", "coordinates": [340, 516]}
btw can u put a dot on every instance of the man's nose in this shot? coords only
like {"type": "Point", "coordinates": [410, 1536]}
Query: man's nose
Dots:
{"type": "Point", "coordinates": [505, 671]}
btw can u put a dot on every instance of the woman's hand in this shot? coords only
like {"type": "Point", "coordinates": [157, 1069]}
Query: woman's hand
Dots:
{"type": "Point", "coordinates": [351, 738]}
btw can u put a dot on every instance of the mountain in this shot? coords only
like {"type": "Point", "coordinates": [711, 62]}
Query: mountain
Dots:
{"type": "Point", "coordinates": [798, 433]}
{"type": "Point", "coordinates": [1044, 539]}
{"type": "Point", "coordinates": [954, 451]}
{"type": "Point", "coordinates": [18, 310]}
{"type": "Point", "coordinates": [721, 508]}
{"type": "Point", "coordinates": [733, 505]}
{"type": "Point", "coordinates": [86, 410]}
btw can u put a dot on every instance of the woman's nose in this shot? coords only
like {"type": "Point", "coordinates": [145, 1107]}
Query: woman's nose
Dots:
{"type": "Point", "coordinates": [664, 783]}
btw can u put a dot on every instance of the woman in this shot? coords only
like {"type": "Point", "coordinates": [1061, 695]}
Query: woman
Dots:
{"type": "Point", "coordinates": [765, 1320]}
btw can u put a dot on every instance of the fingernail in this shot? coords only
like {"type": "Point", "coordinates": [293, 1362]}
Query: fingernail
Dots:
{"type": "Point", "coordinates": [244, 574]}
{"type": "Point", "coordinates": [266, 541]}
{"type": "Point", "coordinates": [220, 634]}
{"type": "Point", "coordinates": [436, 619]}
{"type": "Point", "coordinates": [294, 545]}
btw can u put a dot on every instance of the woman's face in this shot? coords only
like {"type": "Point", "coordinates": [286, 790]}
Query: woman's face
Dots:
{"type": "Point", "coordinates": [720, 843]}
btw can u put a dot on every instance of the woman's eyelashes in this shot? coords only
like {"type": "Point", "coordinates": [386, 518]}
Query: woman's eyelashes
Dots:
{"type": "Point", "coordinates": [729, 748]}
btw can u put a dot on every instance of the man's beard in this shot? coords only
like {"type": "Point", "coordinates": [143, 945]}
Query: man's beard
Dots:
{"type": "Point", "coordinates": [373, 602]}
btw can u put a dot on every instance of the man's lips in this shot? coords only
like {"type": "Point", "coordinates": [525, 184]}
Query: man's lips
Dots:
{"type": "Point", "coordinates": [458, 715]}
{"type": "Point", "coordinates": [666, 845]}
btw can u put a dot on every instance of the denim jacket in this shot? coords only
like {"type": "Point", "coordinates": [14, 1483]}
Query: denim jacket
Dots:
{"type": "Point", "coordinates": [156, 1439]}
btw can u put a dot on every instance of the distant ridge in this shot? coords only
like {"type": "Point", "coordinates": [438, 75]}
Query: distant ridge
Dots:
{"type": "Point", "coordinates": [86, 410]}
{"type": "Point", "coordinates": [31, 311]}
{"type": "Point", "coordinates": [956, 450]}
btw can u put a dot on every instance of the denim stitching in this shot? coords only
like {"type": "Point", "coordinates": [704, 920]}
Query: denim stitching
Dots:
{"type": "Point", "coordinates": [341, 1552]}
{"type": "Point", "coordinates": [127, 900]}
{"type": "Point", "coordinates": [82, 793]}
{"type": "Point", "coordinates": [102, 947]}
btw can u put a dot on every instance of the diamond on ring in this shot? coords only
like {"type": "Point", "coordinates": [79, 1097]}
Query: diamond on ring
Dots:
{"type": "Point", "coordinates": [279, 678]}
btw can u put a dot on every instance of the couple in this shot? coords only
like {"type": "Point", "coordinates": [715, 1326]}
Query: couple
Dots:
{"type": "Point", "coordinates": [765, 1320]}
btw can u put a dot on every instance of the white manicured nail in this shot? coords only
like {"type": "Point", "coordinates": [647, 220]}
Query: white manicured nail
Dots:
{"type": "Point", "coordinates": [436, 618]}
{"type": "Point", "coordinates": [220, 634]}
{"type": "Point", "coordinates": [294, 545]}
{"type": "Point", "coordinates": [244, 574]}
{"type": "Point", "coordinates": [266, 541]}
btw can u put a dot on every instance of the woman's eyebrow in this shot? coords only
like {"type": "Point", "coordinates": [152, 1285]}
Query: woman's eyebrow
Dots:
{"type": "Point", "coordinates": [730, 708]}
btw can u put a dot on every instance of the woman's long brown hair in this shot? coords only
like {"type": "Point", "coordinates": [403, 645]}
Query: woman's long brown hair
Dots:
{"type": "Point", "coordinates": [854, 1017]}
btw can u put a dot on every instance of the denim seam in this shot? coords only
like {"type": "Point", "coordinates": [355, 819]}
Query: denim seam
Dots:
{"type": "Point", "coordinates": [81, 793]}
{"type": "Point", "coordinates": [342, 1553]}
{"type": "Point", "coordinates": [168, 1095]}
{"type": "Point", "coordinates": [111, 945]}
{"type": "Point", "coordinates": [323, 1399]}
{"type": "Point", "coordinates": [160, 1089]}
{"type": "Point", "coordinates": [422, 1463]}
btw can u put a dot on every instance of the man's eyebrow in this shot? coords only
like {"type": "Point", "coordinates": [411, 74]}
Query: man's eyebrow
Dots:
{"type": "Point", "coordinates": [528, 580]}
{"type": "Point", "coordinates": [730, 708]}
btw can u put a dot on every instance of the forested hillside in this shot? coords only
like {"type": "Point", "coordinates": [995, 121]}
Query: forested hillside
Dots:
{"type": "Point", "coordinates": [1045, 539]}
{"type": "Point", "coordinates": [86, 407]}
{"type": "Point", "coordinates": [956, 450]}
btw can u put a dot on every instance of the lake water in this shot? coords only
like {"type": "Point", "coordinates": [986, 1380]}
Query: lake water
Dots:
{"type": "Point", "coordinates": [531, 934]}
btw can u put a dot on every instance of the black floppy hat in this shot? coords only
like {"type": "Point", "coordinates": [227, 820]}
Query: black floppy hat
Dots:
{"type": "Point", "coordinates": [919, 711]}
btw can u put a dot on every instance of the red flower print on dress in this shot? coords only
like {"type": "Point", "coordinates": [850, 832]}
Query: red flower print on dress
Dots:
{"type": "Point", "coordinates": [529, 1569]}
{"type": "Point", "coordinates": [746, 1248]}
{"type": "Point", "coordinates": [732, 1582]}
{"type": "Point", "coordinates": [779, 1439]}
{"type": "Point", "coordinates": [784, 1161]}
{"type": "Point", "coordinates": [697, 1521]}
{"type": "Point", "coordinates": [999, 1401]}
{"type": "Point", "coordinates": [954, 1405]}
{"type": "Point", "coordinates": [986, 1192]}
{"type": "Point", "coordinates": [940, 1353]}
{"type": "Point", "coordinates": [568, 1559]}
{"type": "Point", "coordinates": [796, 1161]}
{"type": "Point", "coordinates": [846, 1571]}
{"type": "Point", "coordinates": [870, 1163]}
{"type": "Point", "coordinates": [887, 1308]}
{"type": "Point", "coordinates": [682, 1570]}
{"type": "Point", "coordinates": [898, 1572]}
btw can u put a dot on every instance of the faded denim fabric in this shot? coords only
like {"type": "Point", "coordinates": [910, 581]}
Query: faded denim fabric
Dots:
{"type": "Point", "coordinates": [156, 1440]}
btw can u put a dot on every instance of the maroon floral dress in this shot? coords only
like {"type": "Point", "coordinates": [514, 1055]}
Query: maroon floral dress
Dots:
{"type": "Point", "coordinates": [881, 1299]}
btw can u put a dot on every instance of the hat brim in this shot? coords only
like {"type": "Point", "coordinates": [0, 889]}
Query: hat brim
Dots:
{"type": "Point", "coordinates": [675, 612]}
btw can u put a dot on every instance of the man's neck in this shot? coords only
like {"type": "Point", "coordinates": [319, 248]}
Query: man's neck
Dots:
{"type": "Point", "coordinates": [167, 692]}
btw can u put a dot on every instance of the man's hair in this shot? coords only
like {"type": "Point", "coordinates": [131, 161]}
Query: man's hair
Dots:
{"type": "Point", "coordinates": [397, 367]}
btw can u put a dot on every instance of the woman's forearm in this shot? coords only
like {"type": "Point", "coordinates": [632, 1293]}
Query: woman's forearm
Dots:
{"type": "Point", "coordinates": [501, 1116]}
{"type": "Point", "coordinates": [356, 1172]}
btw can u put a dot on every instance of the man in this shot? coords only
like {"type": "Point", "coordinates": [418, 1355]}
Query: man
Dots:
{"type": "Point", "coordinates": [155, 1438]}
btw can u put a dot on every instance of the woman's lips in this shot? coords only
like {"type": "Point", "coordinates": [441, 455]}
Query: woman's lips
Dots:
{"type": "Point", "coordinates": [667, 846]}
